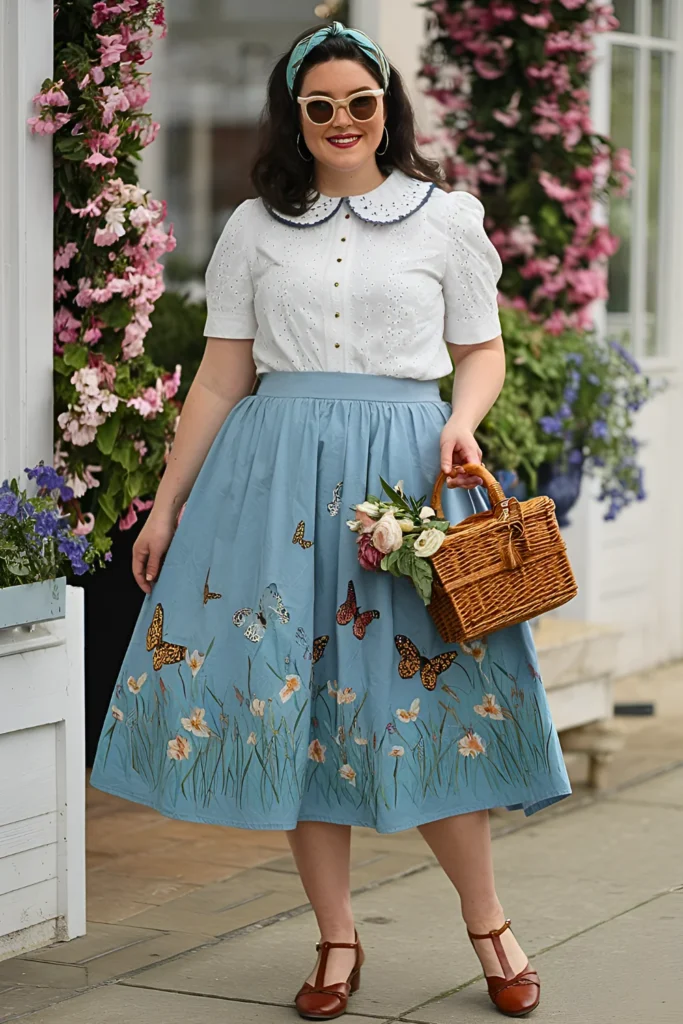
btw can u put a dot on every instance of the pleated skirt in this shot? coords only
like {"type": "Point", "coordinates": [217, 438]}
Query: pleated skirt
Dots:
{"type": "Point", "coordinates": [258, 691]}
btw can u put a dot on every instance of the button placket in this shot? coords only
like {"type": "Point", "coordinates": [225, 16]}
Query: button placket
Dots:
{"type": "Point", "coordinates": [338, 268]}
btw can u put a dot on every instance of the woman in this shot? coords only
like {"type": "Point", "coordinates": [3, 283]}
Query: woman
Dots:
{"type": "Point", "coordinates": [262, 687]}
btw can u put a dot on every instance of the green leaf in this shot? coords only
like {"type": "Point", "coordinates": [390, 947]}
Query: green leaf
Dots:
{"type": "Point", "coordinates": [127, 456]}
{"type": "Point", "coordinates": [107, 434]}
{"type": "Point", "coordinates": [395, 496]}
{"type": "Point", "coordinates": [116, 313]}
{"type": "Point", "coordinates": [107, 509]}
{"type": "Point", "coordinates": [75, 355]}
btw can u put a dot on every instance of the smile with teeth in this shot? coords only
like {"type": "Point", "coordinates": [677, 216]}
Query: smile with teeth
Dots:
{"type": "Point", "coordinates": [344, 141]}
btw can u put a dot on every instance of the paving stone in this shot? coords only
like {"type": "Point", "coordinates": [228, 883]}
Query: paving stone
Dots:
{"type": "Point", "coordinates": [28, 998]}
{"type": "Point", "coordinates": [21, 971]}
{"type": "Point", "coordinates": [109, 910]}
{"type": "Point", "coordinates": [626, 971]}
{"type": "Point", "coordinates": [571, 873]}
{"type": "Point", "coordinates": [239, 901]}
{"type": "Point", "coordinates": [99, 940]}
{"type": "Point", "coordinates": [142, 890]}
{"type": "Point", "coordinates": [665, 789]}
{"type": "Point", "coordinates": [119, 1004]}
{"type": "Point", "coordinates": [176, 866]}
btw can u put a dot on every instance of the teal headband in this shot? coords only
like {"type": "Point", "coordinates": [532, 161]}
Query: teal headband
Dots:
{"type": "Point", "coordinates": [367, 45]}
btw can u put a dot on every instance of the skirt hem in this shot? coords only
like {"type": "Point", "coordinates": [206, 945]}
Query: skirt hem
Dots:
{"type": "Point", "coordinates": [538, 805]}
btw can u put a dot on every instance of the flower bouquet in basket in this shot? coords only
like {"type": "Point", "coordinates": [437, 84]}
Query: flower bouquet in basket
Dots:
{"type": "Point", "coordinates": [399, 536]}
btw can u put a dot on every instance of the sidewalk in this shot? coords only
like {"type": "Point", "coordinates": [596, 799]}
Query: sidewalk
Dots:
{"type": "Point", "coordinates": [595, 890]}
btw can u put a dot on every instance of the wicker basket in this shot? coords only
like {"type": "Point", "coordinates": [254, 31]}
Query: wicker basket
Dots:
{"type": "Point", "coordinates": [498, 568]}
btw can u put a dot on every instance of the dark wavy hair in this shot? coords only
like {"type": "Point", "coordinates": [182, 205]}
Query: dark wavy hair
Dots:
{"type": "Point", "coordinates": [281, 177]}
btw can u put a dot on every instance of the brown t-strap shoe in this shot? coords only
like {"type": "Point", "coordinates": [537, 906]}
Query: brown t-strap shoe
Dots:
{"type": "Point", "coordinates": [325, 1002]}
{"type": "Point", "coordinates": [515, 995]}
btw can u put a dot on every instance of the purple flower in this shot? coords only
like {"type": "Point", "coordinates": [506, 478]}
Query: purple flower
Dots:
{"type": "Point", "coordinates": [47, 478]}
{"type": "Point", "coordinates": [551, 425]}
{"type": "Point", "coordinates": [9, 504]}
{"type": "Point", "coordinates": [47, 524]}
{"type": "Point", "coordinates": [570, 395]}
{"type": "Point", "coordinates": [575, 457]}
{"type": "Point", "coordinates": [599, 429]}
{"type": "Point", "coordinates": [575, 357]}
{"type": "Point", "coordinates": [605, 399]}
{"type": "Point", "coordinates": [564, 412]}
{"type": "Point", "coordinates": [107, 556]}
{"type": "Point", "coordinates": [626, 356]}
{"type": "Point", "coordinates": [593, 379]}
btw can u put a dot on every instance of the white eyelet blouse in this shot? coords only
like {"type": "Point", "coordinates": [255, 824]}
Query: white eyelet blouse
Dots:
{"type": "Point", "coordinates": [365, 284]}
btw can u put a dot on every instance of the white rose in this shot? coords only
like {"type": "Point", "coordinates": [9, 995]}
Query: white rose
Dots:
{"type": "Point", "coordinates": [406, 525]}
{"type": "Point", "coordinates": [370, 508]}
{"type": "Point", "coordinates": [426, 512]}
{"type": "Point", "coordinates": [387, 535]}
{"type": "Point", "coordinates": [428, 543]}
{"type": "Point", "coordinates": [354, 524]}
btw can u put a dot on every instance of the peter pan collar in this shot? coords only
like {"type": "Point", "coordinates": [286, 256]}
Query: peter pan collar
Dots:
{"type": "Point", "coordinates": [395, 199]}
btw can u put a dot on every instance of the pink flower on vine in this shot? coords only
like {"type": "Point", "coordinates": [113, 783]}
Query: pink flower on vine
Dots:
{"type": "Point", "coordinates": [53, 97]}
{"type": "Point", "coordinates": [111, 48]}
{"type": "Point", "coordinates": [64, 255]}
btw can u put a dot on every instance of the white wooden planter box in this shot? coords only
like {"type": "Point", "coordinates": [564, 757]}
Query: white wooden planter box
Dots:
{"type": "Point", "coordinates": [42, 773]}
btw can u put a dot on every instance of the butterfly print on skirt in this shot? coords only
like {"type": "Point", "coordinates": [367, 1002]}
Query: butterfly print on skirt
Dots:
{"type": "Point", "coordinates": [412, 662]}
{"type": "Point", "coordinates": [349, 610]}
{"type": "Point", "coordinates": [208, 596]}
{"type": "Point", "coordinates": [164, 653]}
{"type": "Point", "coordinates": [298, 537]}
{"type": "Point", "coordinates": [334, 505]}
{"type": "Point", "coordinates": [254, 623]}
{"type": "Point", "coordinates": [319, 645]}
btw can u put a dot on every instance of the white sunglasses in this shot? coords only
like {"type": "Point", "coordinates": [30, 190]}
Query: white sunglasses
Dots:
{"type": "Point", "coordinates": [362, 106]}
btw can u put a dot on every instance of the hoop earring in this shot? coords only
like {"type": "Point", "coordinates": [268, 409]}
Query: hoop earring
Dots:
{"type": "Point", "coordinates": [298, 149]}
{"type": "Point", "coordinates": [381, 152]}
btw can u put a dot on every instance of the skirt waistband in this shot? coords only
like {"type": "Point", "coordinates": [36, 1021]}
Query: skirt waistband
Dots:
{"type": "Point", "coordinates": [347, 387]}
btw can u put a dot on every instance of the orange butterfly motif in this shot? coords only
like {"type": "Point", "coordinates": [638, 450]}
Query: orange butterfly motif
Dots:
{"type": "Point", "coordinates": [164, 653]}
{"type": "Point", "coordinates": [350, 610]}
{"type": "Point", "coordinates": [208, 595]}
{"type": "Point", "coordinates": [413, 662]}
{"type": "Point", "coordinates": [298, 537]}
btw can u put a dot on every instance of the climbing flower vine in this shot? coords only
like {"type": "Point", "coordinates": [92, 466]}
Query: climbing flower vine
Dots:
{"type": "Point", "coordinates": [115, 409]}
{"type": "Point", "coordinates": [510, 83]}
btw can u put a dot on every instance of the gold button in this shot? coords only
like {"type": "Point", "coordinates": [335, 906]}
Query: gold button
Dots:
{"type": "Point", "coordinates": [343, 239]}
{"type": "Point", "coordinates": [337, 314]}
{"type": "Point", "coordinates": [336, 344]}
{"type": "Point", "coordinates": [347, 216]}
{"type": "Point", "coordinates": [338, 259]}
{"type": "Point", "coordinates": [336, 284]}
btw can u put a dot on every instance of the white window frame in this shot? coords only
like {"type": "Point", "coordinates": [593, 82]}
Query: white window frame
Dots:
{"type": "Point", "coordinates": [669, 351]}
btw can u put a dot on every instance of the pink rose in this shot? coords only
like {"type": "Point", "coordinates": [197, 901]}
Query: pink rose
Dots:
{"type": "Point", "coordinates": [387, 535]}
{"type": "Point", "coordinates": [368, 555]}
{"type": "Point", "coordinates": [367, 523]}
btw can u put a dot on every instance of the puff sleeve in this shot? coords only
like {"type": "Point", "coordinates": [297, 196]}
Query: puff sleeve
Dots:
{"type": "Point", "coordinates": [473, 268]}
{"type": "Point", "coordinates": [229, 289]}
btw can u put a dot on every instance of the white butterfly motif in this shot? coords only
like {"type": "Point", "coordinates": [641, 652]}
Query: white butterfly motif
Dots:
{"type": "Point", "coordinates": [334, 505]}
{"type": "Point", "coordinates": [254, 624]}
{"type": "Point", "coordinates": [411, 714]}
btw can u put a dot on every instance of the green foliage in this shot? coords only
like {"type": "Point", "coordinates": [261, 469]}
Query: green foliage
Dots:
{"type": "Point", "coordinates": [177, 336]}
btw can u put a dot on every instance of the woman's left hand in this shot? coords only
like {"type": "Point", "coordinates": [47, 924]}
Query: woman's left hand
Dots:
{"type": "Point", "coordinates": [458, 446]}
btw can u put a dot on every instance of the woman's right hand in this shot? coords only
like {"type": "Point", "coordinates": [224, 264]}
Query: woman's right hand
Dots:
{"type": "Point", "coordinates": [150, 548]}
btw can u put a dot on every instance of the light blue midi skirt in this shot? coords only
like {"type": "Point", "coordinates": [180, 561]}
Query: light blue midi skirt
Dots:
{"type": "Point", "coordinates": [262, 686]}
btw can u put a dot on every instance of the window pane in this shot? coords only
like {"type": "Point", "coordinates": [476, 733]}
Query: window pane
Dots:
{"type": "Point", "coordinates": [657, 84]}
{"type": "Point", "coordinates": [661, 19]}
{"type": "Point", "coordinates": [621, 212]}
{"type": "Point", "coordinates": [625, 11]}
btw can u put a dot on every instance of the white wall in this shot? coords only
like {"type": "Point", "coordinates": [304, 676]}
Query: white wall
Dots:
{"type": "Point", "coordinates": [399, 25]}
{"type": "Point", "coordinates": [25, 240]}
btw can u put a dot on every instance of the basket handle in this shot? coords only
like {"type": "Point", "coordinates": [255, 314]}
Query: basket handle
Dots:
{"type": "Point", "coordinates": [496, 492]}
